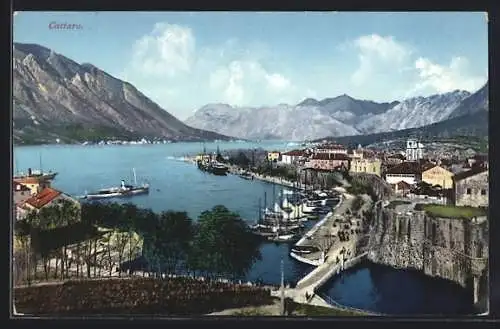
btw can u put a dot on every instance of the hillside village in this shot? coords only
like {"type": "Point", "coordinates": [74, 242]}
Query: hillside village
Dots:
{"type": "Point", "coordinates": [447, 179]}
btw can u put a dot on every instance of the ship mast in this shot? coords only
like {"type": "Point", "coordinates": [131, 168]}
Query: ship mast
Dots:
{"type": "Point", "coordinates": [135, 177]}
{"type": "Point", "coordinates": [41, 170]}
{"type": "Point", "coordinates": [260, 212]}
{"type": "Point", "coordinates": [282, 287]}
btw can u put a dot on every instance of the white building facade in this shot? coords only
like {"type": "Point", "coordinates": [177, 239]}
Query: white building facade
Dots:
{"type": "Point", "coordinates": [410, 179]}
{"type": "Point", "coordinates": [414, 150]}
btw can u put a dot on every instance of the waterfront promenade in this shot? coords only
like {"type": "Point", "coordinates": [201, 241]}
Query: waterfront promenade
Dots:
{"type": "Point", "coordinates": [324, 235]}
{"type": "Point", "coordinates": [335, 254]}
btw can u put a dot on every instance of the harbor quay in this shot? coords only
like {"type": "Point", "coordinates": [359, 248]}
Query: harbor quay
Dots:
{"type": "Point", "coordinates": [333, 256]}
{"type": "Point", "coordinates": [325, 235]}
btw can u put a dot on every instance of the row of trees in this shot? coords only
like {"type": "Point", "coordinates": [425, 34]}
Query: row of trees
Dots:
{"type": "Point", "coordinates": [218, 244]}
{"type": "Point", "coordinates": [34, 247]}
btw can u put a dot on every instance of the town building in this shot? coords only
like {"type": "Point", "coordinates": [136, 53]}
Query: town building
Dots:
{"type": "Point", "coordinates": [414, 150]}
{"type": "Point", "coordinates": [368, 166]}
{"type": "Point", "coordinates": [330, 149]}
{"type": "Point", "coordinates": [273, 156]}
{"type": "Point", "coordinates": [409, 172]}
{"type": "Point", "coordinates": [394, 159]}
{"type": "Point", "coordinates": [457, 168]}
{"type": "Point", "coordinates": [357, 153]}
{"type": "Point", "coordinates": [471, 188]}
{"type": "Point", "coordinates": [35, 184]}
{"type": "Point", "coordinates": [437, 175]}
{"type": "Point", "coordinates": [292, 157]}
{"type": "Point", "coordinates": [20, 192]}
{"type": "Point", "coordinates": [478, 160]}
{"type": "Point", "coordinates": [46, 197]}
{"type": "Point", "coordinates": [401, 188]}
{"type": "Point", "coordinates": [328, 161]}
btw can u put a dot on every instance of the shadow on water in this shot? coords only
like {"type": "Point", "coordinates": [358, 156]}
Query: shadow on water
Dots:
{"type": "Point", "coordinates": [386, 290]}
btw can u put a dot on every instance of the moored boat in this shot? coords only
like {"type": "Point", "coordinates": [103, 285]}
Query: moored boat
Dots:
{"type": "Point", "coordinates": [36, 174]}
{"type": "Point", "coordinates": [115, 192]}
{"type": "Point", "coordinates": [124, 190]}
{"type": "Point", "coordinates": [246, 175]}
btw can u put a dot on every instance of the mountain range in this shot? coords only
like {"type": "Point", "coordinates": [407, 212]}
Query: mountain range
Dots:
{"type": "Point", "coordinates": [340, 116]}
{"type": "Point", "coordinates": [57, 98]}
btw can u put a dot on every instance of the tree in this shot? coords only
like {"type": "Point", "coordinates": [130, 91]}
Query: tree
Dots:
{"type": "Point", "coordinates": [130, 216]}
{"type": "Point", "coordinates": [120, 241]}
{"type": "Point", "coordinates": [223, 244]}
{"type": "Point", "coordinates": [69, 214]}
{"type": "Point", "coordinates": [22, 230]}
{"type": "Point", "coordinates": [240, 160]}
{"type": "Point", "coordinates": [174, 234]}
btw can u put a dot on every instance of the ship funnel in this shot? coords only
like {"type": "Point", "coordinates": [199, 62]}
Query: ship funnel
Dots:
{"type": "Point", "coordinates": [29, 172]}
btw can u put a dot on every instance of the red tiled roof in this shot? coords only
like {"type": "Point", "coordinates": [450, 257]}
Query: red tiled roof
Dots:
{"type": "Point", "coordinates": [329, 156]}
{"type": "Point", "coordinates": [44, 197]}
{"type": "Point", "coordinates": [16, 187]}
{"type": "Point", "coordinates": [402, 185]}
{"type": "Point", "coordinates": [294, 153]}
{"type": "Point", "coordinates": [405, 168]}
{"type": "Point", "coordinates": [469, 173]}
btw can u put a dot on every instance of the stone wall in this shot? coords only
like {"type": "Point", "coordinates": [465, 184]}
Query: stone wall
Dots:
{"type": "Point", "coordinates": [380, 187]}
{"type": "Point", "coordinates": [319, 179]}
{"type": "Point", "coordinates": [452, 249]}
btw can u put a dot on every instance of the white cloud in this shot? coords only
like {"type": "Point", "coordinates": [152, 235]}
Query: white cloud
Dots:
{"type": "Point", "coordinates": [168, 66]}
{"type": "Point", "coordinates": [243, 82]}
{"type": "Point", "coordinates": [167, 50]}
{"type": "Point", "coordinates": [391, 68]}
{"type": "Point", "coordinates": [377, 54]}
{"type": "Point", "coordinates": [167, 59]}
{"type": "Point", "coordinates": [445, 78]}
{"type": "Point", "coordinates": [277, 82]}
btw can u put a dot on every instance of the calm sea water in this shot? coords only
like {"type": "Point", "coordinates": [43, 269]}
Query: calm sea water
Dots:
{"type": "Point", "coordinates": [178, 185]}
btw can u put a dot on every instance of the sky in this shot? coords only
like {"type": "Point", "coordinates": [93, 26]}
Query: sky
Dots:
{"type": "Point", "coordinates": [185, 60]}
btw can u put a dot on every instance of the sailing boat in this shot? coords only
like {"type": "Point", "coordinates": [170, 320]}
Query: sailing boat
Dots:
{"type": "Point", "coordinates": [39, 174]}
{"type": "Point", "coordinates": [124, 190]}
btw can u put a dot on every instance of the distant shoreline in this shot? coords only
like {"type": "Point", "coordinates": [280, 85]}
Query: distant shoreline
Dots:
{"type": "Point", "coordinates": [128, 143]}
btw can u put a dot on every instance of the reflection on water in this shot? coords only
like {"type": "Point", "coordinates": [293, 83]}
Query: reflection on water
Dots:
{"type": "Point", "coordinates": [386, 290]}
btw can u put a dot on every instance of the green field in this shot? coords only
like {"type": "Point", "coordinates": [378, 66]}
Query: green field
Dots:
{"type": "Point", "coordinates": [443, 211]}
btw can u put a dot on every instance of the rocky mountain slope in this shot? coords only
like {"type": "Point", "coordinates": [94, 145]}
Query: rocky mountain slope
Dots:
{"type": "Point", "coordinates": [57, 98]}
{"type": "Point", "coordinates": [339, 116]}
{"type": "Point", "coordinates": [477, 102]}
{"type": "Point", "coordinates": [280, 122]}
{"type": "Point", "coordinates": [469, 118]}
{"type": "Point", "coordinates": [414, 112]}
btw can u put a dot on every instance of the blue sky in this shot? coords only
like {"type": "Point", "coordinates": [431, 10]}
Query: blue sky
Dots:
{"type": "Point", "coordinates": [183, 61]}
